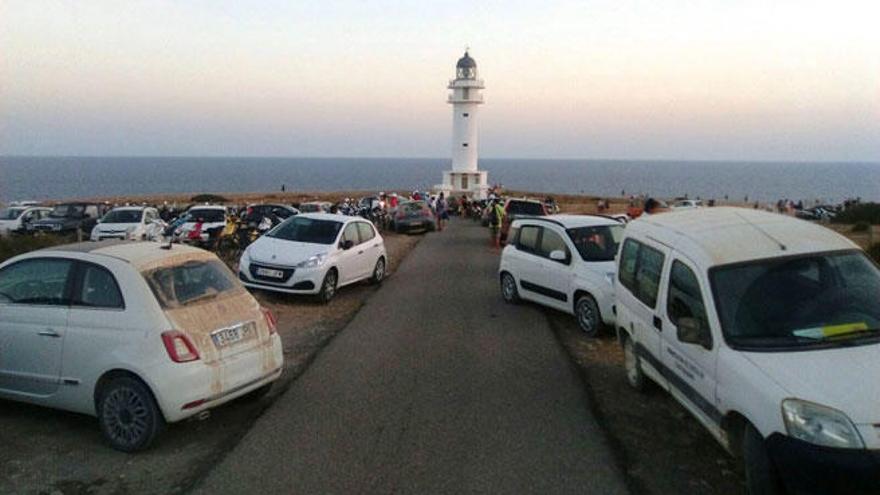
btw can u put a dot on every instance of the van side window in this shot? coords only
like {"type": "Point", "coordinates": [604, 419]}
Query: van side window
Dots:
{"type": "Point", "coordinates": [640, 269]}
{"type": "Point", "coordinates": [528, 238]}
{"type": "Point", "coordinates": [628, 258]}
{"type": "Point", "coordinates": [648, 270]}
{"type": "Point", "coordinates": [684, 297]}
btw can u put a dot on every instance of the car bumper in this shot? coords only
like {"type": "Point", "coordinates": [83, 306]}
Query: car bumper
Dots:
{"type": "Point", "coordinates": [195, 387]}
{"type": "Point", "coordinates": [808, 468]}
{"type": "Point", "coordinates": [415, 224]}
{"type": "Point", "coordinates": [301, 281]}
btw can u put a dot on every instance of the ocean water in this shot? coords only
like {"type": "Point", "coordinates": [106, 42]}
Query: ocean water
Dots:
{"type": "Point", "coordinates": [41, 178]}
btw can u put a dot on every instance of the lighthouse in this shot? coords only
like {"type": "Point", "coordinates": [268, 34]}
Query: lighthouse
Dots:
{"type": "Point", "coordinates": [466, 96]}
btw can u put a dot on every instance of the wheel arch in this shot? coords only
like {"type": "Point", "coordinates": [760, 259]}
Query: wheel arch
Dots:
{"type": "Point", "coordinates": [115, 373]}
{"type": "Point", "coordinates": [733, 425]}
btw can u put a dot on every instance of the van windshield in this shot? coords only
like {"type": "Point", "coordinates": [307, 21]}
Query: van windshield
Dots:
{"type": "Point", "coordinates": [596, 243]}
{"type": "Point", "coordinates": [303, 229]}
{"type": "Point", "coordinates": [805, 301]}
{"type": "Point", "coordinates": [190, 282]}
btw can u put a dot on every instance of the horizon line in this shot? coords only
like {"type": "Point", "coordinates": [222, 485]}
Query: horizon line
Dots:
{"type": "Point", "coordinates": [351, 157]}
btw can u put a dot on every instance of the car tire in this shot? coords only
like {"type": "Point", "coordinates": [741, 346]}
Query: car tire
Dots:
{"type": "Point", "coordinates": [128, 415]}
{"type": "Point", "coordinates": [378, 271]}
{"type": "Point", "coordinates": [761, 476]}
{"type": "Point", "coordinates": [586, 312]}
{"type": "Point", "coordinates": [328, 286]}
{"type": "Point", "coordinates": [509, 291]}
{"type": "Point", "coordinates": [633, 366]}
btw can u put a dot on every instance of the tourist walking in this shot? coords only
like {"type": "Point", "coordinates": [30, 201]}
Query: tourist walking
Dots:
{"type": "Point", "coordinates": [442, 209]}
{"type": "Point", "coordinates": [496, 216]}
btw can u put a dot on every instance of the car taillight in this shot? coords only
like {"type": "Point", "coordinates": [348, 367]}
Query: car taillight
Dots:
{"type": "Point", "coordinates": [180, 349]}
{"type": "Point", "coordinates": [270, 321]}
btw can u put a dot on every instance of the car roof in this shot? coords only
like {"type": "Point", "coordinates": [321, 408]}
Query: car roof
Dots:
{"type": "Point", "coordinates": [568, 221]}
{"type": "Point", "coordinates": [335, 217]}
{"type": "Point", "coordinates": [139, 254]}
{"type": "Point", "coordinates": [525, 200]}
{"type": "Point", "coordinates": [132, 207]}
{"type": "Point", "coordinates": [725, 235]}
{"type": "Point", "coordinates": [207, 207]}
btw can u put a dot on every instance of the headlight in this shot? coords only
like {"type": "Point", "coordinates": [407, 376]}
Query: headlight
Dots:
{"type": "Point", "coordinates": [313, 261]}
{"type": "Point", "coordinates": [820, 425]}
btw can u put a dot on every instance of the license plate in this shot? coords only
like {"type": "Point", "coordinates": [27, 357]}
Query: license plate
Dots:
{"type": "Point", "coordinates": [231, 335]}
{"type": "Point", "coordinates": [268, 272]}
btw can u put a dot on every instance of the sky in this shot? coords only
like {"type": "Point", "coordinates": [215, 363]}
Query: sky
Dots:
{"type": "Point", "coordinates": [628, 79]}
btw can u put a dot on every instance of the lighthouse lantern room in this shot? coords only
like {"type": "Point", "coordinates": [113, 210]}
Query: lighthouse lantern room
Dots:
{"type": "Point", "coordinates": [466, 96]}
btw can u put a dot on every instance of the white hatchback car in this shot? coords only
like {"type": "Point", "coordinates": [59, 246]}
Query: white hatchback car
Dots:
{"type": "Point", "coordinates": [565, 262]}
{"type": "Point", "coordinates": [211, 218]}
{"type": "Point", "coordinates": [314, 253]}
{"type": "Point", "coordinates": [130, 223]}
{"type": "Point", "coordinates": [17, 218]}
{"type": "Point", "coordinates": [767, 329]}
{"type": "Point", "coordinates": [134, 333]}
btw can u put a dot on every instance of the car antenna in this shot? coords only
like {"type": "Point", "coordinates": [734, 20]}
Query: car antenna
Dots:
{"type": "Point", "coordinates": [782, 246]}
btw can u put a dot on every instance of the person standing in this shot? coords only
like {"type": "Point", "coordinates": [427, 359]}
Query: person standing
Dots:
{"type": "Point", "coordinates": [442, 209]}
{"type": "Point", "coordinates": [496, 216]}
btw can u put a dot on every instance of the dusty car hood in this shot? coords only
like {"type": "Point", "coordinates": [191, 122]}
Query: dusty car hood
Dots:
{"type": "Point", "coordinates": [280, 252]}
{"type": "Point", "coordinates": [845, 378]}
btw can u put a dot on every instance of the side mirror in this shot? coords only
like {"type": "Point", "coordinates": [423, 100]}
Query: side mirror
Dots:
{"type": "Point", "coordinates": [690, 331]}
{"type": "Point", "coordinates": [558, 255]}
{"type": "Point", "coordinates": [346, 245]}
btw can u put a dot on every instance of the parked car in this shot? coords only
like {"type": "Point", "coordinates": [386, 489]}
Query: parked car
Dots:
{"type": "Point", "coordinates": [69, 217]}
{"type": "Point", "coordinates": [683, 204]}
{"type": "Point", "coordinates": [413, 215]}
{"type": "Point", "coordinates": [210, 220]}
{"type": "Point", "coordinates": [134, 333]}
{"type": "Point", "coordinates": [255, 213]}
{"type": "Point", "coordinates": [515, 208]}
{"type": "Point", "coordinates": [316, 207]}
{"type": "Point", "coordinates": [20, 218]}
{"type": "Point", "coordinates": [314, 253]}
{"type": "Point", "coordinates": [565, 262]}
{"type": "Point", "coordinates": [131, 223]}
{"type": "Point", "coordinates": [767, 329]}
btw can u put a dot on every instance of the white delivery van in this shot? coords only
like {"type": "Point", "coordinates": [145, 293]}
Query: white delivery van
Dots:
{"type": "Point", "coordinates": [767, 329]}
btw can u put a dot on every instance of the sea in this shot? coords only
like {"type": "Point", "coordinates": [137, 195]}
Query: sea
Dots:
{"type": "Point", "coordinates": [55, 178]}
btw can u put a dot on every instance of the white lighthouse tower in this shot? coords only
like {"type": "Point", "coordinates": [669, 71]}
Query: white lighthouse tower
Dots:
{"type": "Point", "coordinates": [466, 98]}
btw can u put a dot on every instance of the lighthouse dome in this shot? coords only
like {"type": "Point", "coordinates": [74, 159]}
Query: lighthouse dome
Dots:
{"type": "Point", "coordinates": [466, 62]}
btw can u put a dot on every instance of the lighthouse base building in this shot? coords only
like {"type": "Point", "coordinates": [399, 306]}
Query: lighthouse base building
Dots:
{"type": "Point", "coordinates": [465, 178]}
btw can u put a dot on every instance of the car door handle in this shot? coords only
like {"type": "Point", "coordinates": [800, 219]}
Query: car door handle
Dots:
{"type": "Point", "coordinates": [658, 323]}
{"type": "Point", "coordinates": [50, 333]}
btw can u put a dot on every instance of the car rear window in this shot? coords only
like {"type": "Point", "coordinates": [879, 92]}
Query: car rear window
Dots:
{"type": "Point", "coordinates": [207, 215]}
{"type": "Point", "coordinates": [190, 282]}
{"type": "Point", "coordinates": [525, 208]}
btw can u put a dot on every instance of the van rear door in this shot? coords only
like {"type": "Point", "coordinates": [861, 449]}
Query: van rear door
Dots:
{"type": "Point", "coordinates": [640, 274]}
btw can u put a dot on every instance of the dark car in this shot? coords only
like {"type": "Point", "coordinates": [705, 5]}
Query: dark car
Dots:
{"type": "Point", "coordinates": [516, 208]}
{"type": "Point", "coordinates": [413, 215]}
{"type": "Point", "coordinates": [70, 217]}
{"type": "Point", "coordinates": [254, 214]}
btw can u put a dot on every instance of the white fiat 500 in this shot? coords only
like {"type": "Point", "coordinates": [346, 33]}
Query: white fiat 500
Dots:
{"type": "Point", "coordinates": [767, 329]}
{"type": "Point", "coordinates": [131, 223]}
{"type": "Point", "coordinates": [565, 262]}
{"type": "Point", "coordinates": [314, 253]}
{"type": "Point", "coordinates": [134, 333]}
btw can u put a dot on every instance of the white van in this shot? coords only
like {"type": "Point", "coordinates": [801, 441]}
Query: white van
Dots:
{"type": "Point", "coordinates": [766, 328]}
